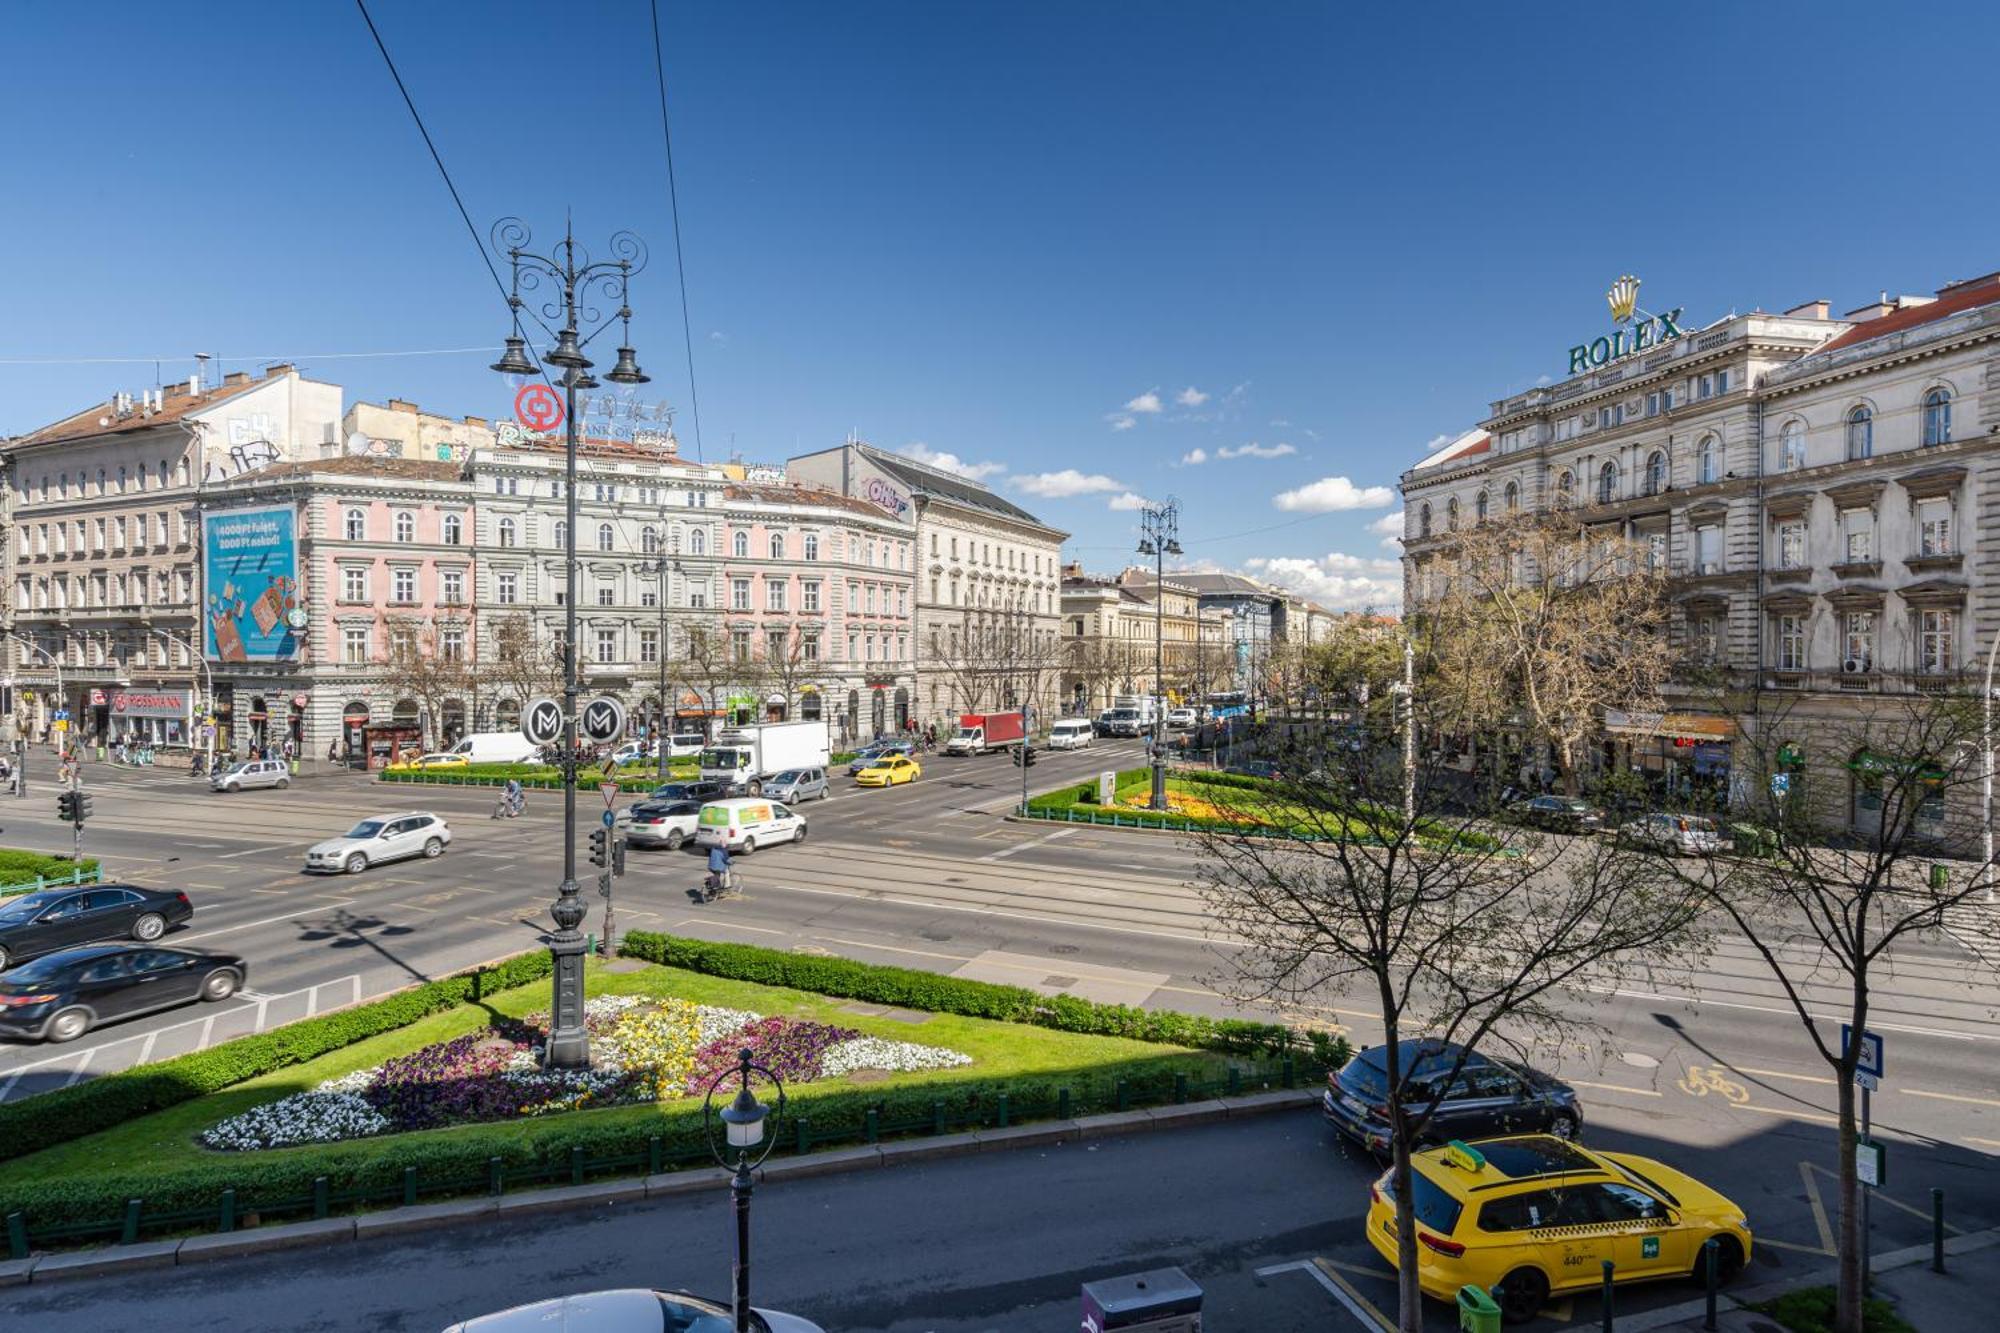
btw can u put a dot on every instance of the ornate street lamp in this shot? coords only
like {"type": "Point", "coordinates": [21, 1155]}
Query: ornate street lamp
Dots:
{"type": "Point", "coordinates": [1159, 526]}
{"type": "Point", "coordinates": [570, 318]}
{"type": "Point", "coordinates": [743, 1132]}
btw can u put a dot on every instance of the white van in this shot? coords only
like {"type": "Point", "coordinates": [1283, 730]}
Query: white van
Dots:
{"type": "Point", "coordinates": [745, 823]}
{"type": "Point", "coordinates": [497, 747]}
{"type": "Point", "coordinates": [1071, 733]}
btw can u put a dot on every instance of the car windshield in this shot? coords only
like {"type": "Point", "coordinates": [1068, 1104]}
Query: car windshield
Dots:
{"type": "Point", "coordinates": [18, 909]}
{"type": "Point", "coordinates": [367, 828]}
{"type": "Point", "coordinates": [1691, 824]}
{"type": "Point", "coordinates": [789, 776]}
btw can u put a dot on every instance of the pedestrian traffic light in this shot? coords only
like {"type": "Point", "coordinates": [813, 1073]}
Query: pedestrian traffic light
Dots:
{"type": "Point", "coordinates": [600, 851]}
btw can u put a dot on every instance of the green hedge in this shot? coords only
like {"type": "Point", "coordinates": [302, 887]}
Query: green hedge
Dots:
{"type": "Point", "coordinates": [63, 1114]}
{"type": "Point", "coordinates": [24, 869]}
{"type": "Point", "coordinates": [910, 988]}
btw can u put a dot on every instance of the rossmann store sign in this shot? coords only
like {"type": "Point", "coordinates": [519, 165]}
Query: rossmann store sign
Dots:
{"type": "Point", "coordinates": [1638, 331]}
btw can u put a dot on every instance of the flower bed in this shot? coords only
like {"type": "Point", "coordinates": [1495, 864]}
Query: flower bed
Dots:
{"type": "Point", "coordinates": [641, 1050]}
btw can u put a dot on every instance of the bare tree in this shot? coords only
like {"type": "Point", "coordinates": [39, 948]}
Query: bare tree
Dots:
{"type": "Point", "coordinates": [423, 667]}
{"type": "Point", "coordinates": [707, 663]}
{"type": "Point", "coordinates": [784, 666]}
{"type": "Point", "coordinates": [1455, 928]}
{"type": "Point", "coordinates": [1545, 620]}
{"type": "Point", "coordinates": [516, 663]}
{"type": "Point", "coordinates": [998, 659]}
{"type": "Point", "coordinates": [1837, 879]}
{"type": "Point", "coordinates": [1093, 663]}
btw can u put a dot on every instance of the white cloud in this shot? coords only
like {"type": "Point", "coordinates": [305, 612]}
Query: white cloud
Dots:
{"type": "Point", "coordinates": [1068, 482]}
{"type": "Point", "coordinates": [718, 337]}
{"type": "Point", "coordinates": [1148, 401]}
{"type": "Point", "coordinates": [1128, 500]}
{"type": "Point", "coordinates": [1193, 457]}
{"type": "Point", "coordinates": [1190, 397]}
{"type": "Point", "coordinates": [1337, 581]}
{"type": "Point", "coordinates": [949, 462]}
{"type": "Point", "coordinates": [1331, 493]}
{"type": "Point", "coordinates": [1121, 421]}
{"type": "Point", "coordinates": [1389, 528]}
{"type": "Point", "coordinates": [1255, 450]}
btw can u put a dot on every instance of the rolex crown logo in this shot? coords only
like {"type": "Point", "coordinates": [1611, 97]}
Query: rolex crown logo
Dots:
{"type": "Point", "coordinates": [1624, 298]}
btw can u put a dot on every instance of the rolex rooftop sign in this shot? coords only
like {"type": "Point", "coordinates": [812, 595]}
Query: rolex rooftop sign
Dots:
{"type": "Point", "coordinates": [1647, 331]}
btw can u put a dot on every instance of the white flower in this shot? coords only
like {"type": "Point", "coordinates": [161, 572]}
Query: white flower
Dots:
{"type": "Point", "coordinates": [303, 1117]}
{"type": "Point", "coordinates": [896, 1057]}
{"type": "Point", "coordinates": [358, 1081]}
{"type": "Point", "coordinates": [718, 1023]}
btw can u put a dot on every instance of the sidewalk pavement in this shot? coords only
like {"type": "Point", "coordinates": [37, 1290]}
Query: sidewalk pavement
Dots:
{"type": "Point", "coordinates": [1947, 1302]}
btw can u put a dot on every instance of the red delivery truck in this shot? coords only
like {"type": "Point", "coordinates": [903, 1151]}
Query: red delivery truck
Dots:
{"type": "Point", "coordinates": [980, 732]}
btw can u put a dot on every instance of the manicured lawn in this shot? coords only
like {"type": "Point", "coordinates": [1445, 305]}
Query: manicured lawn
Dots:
{"type": "Point", "coordinates": [1810, 1310]}
{"type": "Point", "coordinates": [20, 869]}
{"type": "Point", "coordinates": [539, 775]}
{"type": "Point", "coordinates": [166, 1140]}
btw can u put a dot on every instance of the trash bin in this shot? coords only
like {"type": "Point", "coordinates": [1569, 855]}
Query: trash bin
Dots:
{"type": "Point", "coordinates": [1477, 1310]}
{"type": "Point", "coordinates": [1940, 878]}
{"type": "Point", "coordinates": [1163, 1300]}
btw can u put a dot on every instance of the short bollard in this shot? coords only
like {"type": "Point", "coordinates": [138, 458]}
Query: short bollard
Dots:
{"type": "Point", "coordinates": [227, 1221]}
{"type": "Point", "coordinates": [576, 1166]}
{"type": "Point", "coordinates": [130, 1234]}
{"type": "Point", "coordinates": [1062, 1104]}
{"type": "Point", "coordinates": [655, 1155]}
{"type": "Point", "coordinates": [1937, 1230]}
{"type": "Point", "coordinates": [17, 1236]}
{"type": "Point", "coordinates": [409, 1187]}
{"type": "Point", "coordinates": [320, 1198]}
{"type": "Point", "coordinates": [1003, 1110]}
{"type": "Point", "coordinates": [937, 1117]}
{"type": "Point", "coordinates": [1180, 1089]}
{"type": "Point", "coordinates": [1289, 1074]}
{"type": "Point", "coordinates": [496, 1179]}
{"type": "Point", "coordinates": [1711, 1262]}
{"type": "Point", "coordinates": [1124, 1095]}
{"type": "Point", "coordinates": [871, 1124]}
{"type": "Point", "coordinates": [1235, 1080]}
{"type": "Point", "coordinates": [802, 1130]}
{"type": "Point", "coordinates": [1608, 1267]}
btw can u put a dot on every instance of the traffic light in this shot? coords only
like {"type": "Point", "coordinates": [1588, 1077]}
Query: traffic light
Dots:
{"type": "Point", "coordinates": [618, 854]}
{"type": "Point", "coordinates": [600, 848]}
{"type": "Point", "coordinates": [83, 803]}
{"type": "Point", "coordinates": [66, 806]}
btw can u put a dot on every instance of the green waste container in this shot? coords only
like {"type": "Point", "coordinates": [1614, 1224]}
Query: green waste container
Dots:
{"type": "Point", "coordinates": [1477, 1310]}
{"type": "Point", "coordinates": [1940, 878]}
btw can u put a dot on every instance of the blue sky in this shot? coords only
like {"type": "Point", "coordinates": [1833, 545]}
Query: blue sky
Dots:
{"type": "Point", "coordinates": [1067, 245]}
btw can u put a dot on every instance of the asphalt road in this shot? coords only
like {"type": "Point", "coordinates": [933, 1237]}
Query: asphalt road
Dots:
{"type": "Point", "coordinates": [1265, 1214]}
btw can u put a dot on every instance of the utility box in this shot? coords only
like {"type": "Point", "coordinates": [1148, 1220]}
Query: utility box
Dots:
{"type": "Point", "coordinates": [1164, 1300]}
{"type": "Point", "coordinates": [1107, 789]}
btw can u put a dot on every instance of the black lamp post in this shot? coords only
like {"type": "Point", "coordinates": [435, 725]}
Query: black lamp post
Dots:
{"type": "Point", "coordinates": [1159, 526]}
{"type": "Point", "coordinates": [743, 1132]}
{"type": "Point", "coordinates": [577, 323]}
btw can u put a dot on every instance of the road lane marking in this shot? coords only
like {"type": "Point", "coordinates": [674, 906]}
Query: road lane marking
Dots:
{"type": "Point", "coordinates": [1024, 846]}
{"type": "Point", "coordinates": [891, 948]}
{"type": "Point", "coordinates": [1793, 1112]}
{"type": "Point", "coordinates": [1949, 1097]}
{"type": "Point", "coordinates": [1799, 1078]}
{"type": "Point", "coordinates": [1793, 1245]}
{"type": "Point", "coordinates": [1614, 1087]}
{"type": "Point", "coordinates": [146, 1050]}
{"type": "Point", "coordinates": [252, 851]}
{"type": "Point", "coordinates": [1820, 1223]}
{"type": "Point", "coordinates": [267, 921]}
{"type": "Point", "coordinates": [1990, 1143]}
{"type": "Point", "coordinates": [1698, 1001]}
{"type": "Point", "coordinates": [81, 1065]}
{"type": "Point", "coordinates": [1357, 1304]}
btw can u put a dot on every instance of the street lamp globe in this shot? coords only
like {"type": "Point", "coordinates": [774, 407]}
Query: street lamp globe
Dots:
{"type": "Point", "coordinates": [568, 351]}
{"type": "Point", "coordinates": [515, 361]}
{"type": "Point", "coordinates": [743, 1119]}
{"type": "Point", "coordinates": [627, 370]}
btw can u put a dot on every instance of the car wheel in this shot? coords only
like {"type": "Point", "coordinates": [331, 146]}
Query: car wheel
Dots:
{"type": "Point", "coordinates": [356, 863]}
{"type": "Point", "coordinates": [674, 840]}
{"type": "Point", "coordinates": [284, 783]}
{"type": "Point", "coordinates": [433, 848]}
{"type": "Point", "coordinates": [233, 788]}
{"type": "Point", "coordinates": [1563, 1125]}
{"type": "Point", "coordinates": [6, 960]}
{"type": "Point", "coordinates": [756, 789]}
{"type": "Point", "coordinates": [800, 836]}
{"type": "Point", "coordinates": [749, 846]}
{"type": "Point", "coordinates": [150, 926]}
{"type": "Point", "coordinates": [1728, 1261]}
{"type": "Point", "coordinates": [69, 1025]}
{"type": "Point", "coordinates": [220, 984]}
{"type": "Point", "coordinates": [1520, 1295]}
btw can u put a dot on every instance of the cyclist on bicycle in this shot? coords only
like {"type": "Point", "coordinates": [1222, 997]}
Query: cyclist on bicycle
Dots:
{"type": "Point", "coordinates": [516, 797]}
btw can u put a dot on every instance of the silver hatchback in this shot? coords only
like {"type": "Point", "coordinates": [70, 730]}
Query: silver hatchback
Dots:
{"type": "Point", "coordinates": [251, 774]}
{"type": "Point", "coordinates": [797, 784]}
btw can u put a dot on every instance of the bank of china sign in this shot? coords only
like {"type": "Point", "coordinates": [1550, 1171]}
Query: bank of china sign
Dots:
{"type": "Point", "coordinates": [1646, 332]}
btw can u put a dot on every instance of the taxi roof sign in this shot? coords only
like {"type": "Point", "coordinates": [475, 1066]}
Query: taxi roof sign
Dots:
{"type": "Point", "coordinates": [1464, 1156]}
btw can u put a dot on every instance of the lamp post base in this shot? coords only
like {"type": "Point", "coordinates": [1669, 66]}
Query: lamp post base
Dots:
{"type": "Point", "coordinates": [1159, 781]}
{"type": "Point", "coordinates": [569, 1043]}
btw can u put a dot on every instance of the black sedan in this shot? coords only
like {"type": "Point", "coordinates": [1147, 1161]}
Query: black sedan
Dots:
{"type": "Point", "coordinates": [42, 922]}
{"type": "Point", "coordinates": [1558, 814]}
{"type": "Point", "coordinates": [690, 791]}
{"type": "Point", "coordinates": [1483, 1098]}
{"type": "Point", "coordinates": [61, 996]}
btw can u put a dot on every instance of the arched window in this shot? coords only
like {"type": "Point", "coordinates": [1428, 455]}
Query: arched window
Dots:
{"type": "Point", "coordinates": [1792, 447]}
{"type": "Point", "coordinates": [1512, 495]}
{"type": "Point", "coordinates": [604, 536]}
{"type": "Point", "coordinates": [1656, 472]}
{"type": "Point", "coordinates": [812, 546]}
{"type": "Point", "coordinates": [739, 545]}
{"type": "Point", "coordinates": [562, 534]}
{"type": "Point", "coordinates": [1565, 488]}
{"type": "Point", "coordinates": [1479, 508]}
{"type": "Point", "coordinates": [1860, 434]}
{"type": "Point", "coordinates": [454, 529]}
{"type": "Point", "coordinates": [698, 542]}
{"type": "Point", "coordinates": [1451, 514]}
{"type": "Point", "coordinates": [180, 473]}
{"type": "Point", "coordinates": [406, 526]}
{"type": "Point", "coordinates": [1607, 483]}
{"type": "Point", "coordinates": [649, 541]}
{"type": "Point", "coordinates": [506, 532]}
{"type": "Point", "coordinates": [163, 472]}
{"type": "Point", "coordinates": [355, 527]}
{"type": "Point", "coordinates": [1707, 461]}
{"type": "Point", "coordinates": [777, 546]}
{"type": "Point", "coordinates": [1937, 417]}
{"type": "Point", "coordinates": [1423, 523]}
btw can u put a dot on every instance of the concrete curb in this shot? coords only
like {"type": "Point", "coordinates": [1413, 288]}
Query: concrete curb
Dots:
{"type": "Point", "coordinates": [1689, 1313]}
{"type": "Point", "coordinates": [113, 1259]}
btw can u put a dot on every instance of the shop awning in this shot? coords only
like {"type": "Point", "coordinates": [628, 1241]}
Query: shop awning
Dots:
{"type": "Point", "coordinates": [1867, 761]}
{"type": "Point", "coordinates": [1675, 726]}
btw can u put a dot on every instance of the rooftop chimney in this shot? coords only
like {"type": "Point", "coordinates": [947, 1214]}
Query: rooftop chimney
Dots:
{"type": "Point", "coordinates": [402, 405]}
{"type": "Point", "coordinates": [1880, 307]}
{"type": "Point", "coordinates": [476, 421]}
{"type": "Point", "coordinates": [279, 368]}
{"type": "Point", "coordinates": [236, 377]}
{"type": "Point", "coordinates": [1811, 310]}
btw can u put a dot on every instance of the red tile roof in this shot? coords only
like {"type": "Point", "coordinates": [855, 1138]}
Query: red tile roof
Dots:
{"type": "Point", "coordinates": [358, 465]}
{"type": "Point", "coordinates": [1950, 301]}
{"type": "Point", "coordinates": [176, 403]}
{"type": "Point", "coordinates": [777, 493]}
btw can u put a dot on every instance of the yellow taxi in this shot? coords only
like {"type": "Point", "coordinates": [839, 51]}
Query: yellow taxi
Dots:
{"type": "Point", "coordinates": [1532, 1215]}
{"type": "Point", "coordinates": [889, 770]}
{"type": "Point", "coordinates": [429, 761]}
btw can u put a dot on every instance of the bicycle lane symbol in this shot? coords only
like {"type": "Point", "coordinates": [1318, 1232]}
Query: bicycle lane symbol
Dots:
{"type": "Point", "coordinates": [1701, 1080]}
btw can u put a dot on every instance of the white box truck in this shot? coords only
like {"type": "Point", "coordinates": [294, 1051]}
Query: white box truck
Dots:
{"type": "Point", "coordinates": [742, 757]}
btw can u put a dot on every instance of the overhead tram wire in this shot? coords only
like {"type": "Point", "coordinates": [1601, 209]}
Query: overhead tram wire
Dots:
{"type": "Point", "coordinates": [674, 203]}
{"type": "Point", "coordinates": [288, 357]}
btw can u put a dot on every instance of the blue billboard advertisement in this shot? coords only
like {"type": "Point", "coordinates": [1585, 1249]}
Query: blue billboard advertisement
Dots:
{"type": "Point", "coordinates": [254, 611]}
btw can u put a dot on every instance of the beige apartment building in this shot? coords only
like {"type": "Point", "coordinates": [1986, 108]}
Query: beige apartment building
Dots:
{"type": "Point", "coordinates": [1824, 495]}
